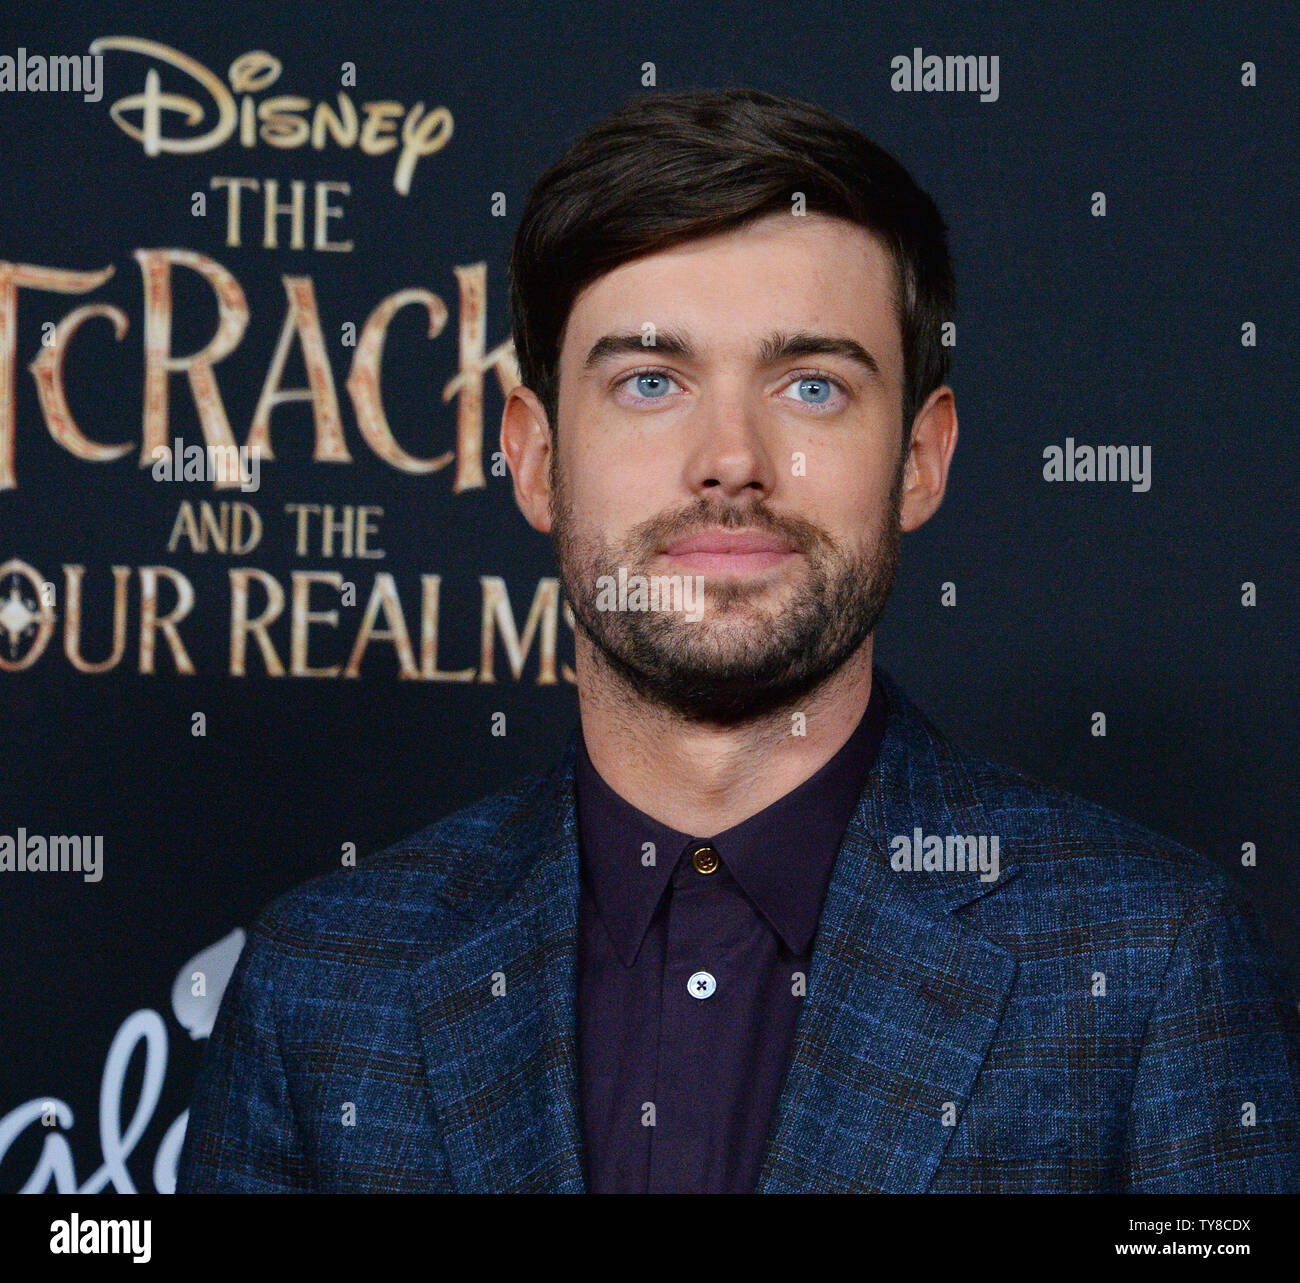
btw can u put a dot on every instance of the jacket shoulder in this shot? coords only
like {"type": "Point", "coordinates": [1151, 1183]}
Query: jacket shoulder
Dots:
{"type": "Point", "coordinates": [395, 896]}
{"type": "Point", "coordinates": [1059, 838]}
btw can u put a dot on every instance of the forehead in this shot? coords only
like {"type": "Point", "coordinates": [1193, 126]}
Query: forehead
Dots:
{"type": "Point", "coordinates": [780, 272]}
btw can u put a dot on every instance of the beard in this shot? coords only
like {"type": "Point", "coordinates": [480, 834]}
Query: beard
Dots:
{"type": "Point", "coordinates": [741, 660]}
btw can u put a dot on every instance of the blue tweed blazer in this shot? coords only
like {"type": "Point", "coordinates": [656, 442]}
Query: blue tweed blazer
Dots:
{"type": "Point", "coordinates": [1098, 1019]}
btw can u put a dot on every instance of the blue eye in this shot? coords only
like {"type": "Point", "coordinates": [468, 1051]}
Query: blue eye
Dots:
{"type": "Point", "coordinates": [819, 390]}
{"type": "Point", "coordinates": [652, 386]}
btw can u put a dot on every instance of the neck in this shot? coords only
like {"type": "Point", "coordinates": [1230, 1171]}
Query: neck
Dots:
{"type": "Point", "coordinates": [700, 778]}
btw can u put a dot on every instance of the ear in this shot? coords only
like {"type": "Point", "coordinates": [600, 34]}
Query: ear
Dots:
{"type": "Point", "coordinates": [925, 474]}
{"type": "Point", "coordinates": [526, 443]}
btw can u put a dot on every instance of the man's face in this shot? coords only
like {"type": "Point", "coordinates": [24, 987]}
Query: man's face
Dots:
{"type": "Point", "coordinates": [727, 441]}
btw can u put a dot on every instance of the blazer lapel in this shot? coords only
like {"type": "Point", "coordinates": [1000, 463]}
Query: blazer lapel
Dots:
{"type": "Point", "coordinates": [495, 1005]}
{"type": "Point", "coordinates": [902, 1001]}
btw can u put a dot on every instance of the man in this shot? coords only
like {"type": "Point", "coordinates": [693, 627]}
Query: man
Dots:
{"type": "Point", "coordinates": [763, 927]}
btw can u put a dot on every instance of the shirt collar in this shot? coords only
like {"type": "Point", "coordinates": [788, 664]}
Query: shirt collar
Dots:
{"type": "Point", "coordinates": [782, 857]}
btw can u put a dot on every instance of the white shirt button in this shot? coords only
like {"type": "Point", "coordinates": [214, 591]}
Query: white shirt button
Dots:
{"type": "Point", "coordinates": [701, 985]}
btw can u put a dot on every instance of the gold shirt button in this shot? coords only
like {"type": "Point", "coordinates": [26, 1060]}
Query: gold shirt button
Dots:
{"type": "Point", "coordinates": [705, 859]}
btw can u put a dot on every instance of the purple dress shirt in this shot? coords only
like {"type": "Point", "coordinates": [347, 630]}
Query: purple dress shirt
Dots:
{"type": "Point", "coordinates": [693, 957]}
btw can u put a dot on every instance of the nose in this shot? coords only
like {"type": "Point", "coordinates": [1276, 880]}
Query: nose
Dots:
{"type": "Point", "coordinates": [730, 455]}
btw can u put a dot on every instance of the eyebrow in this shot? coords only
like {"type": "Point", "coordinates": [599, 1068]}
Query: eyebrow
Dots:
{"type": "Point", "coordinates": [775, 348]}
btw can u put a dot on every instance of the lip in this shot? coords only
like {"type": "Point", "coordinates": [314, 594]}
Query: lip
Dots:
{"type": "Point", "coordinates": [728, 552]}
{"type": "Point", "coordinates": [728, 563]}
{"type": "Point", "coordinates": [728, 543]}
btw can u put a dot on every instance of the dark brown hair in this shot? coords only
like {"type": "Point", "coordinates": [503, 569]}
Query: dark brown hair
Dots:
{"type": "Point", "coordinates": [672, 167]}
